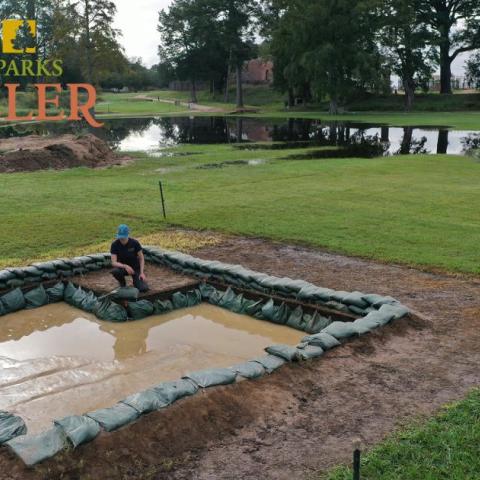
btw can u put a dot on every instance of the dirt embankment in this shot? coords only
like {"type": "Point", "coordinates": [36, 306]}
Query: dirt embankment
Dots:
{"type": "Point", "coordinates": [28, 154]}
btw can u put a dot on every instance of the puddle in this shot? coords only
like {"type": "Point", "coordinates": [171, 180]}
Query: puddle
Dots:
{"type": "Point", "coordinates": [229, 163]}
{"type": "Point", "coordinates": [154, 134]}
{"type": "Point", "coordinates": [57, 360]}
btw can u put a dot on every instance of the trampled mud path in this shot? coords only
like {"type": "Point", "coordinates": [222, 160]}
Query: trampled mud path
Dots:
{"type": "Point", "coordinates": [303, 418]}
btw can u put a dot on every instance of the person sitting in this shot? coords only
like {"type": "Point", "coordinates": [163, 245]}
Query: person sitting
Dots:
{"type": "Point", "coordinates": [128, 260]}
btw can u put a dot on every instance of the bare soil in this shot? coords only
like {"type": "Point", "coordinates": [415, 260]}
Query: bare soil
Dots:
{"type": "Point", "coordinates": [303, 418]}
{"type": "Point", "coordinates": [159, 279]}
{"type": "Point", "coordinates": [34, 152]}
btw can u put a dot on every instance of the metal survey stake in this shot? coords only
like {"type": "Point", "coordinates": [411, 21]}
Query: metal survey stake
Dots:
{"type": "Point", "coordinates": [163, 199]}
{"type": "Point", "coordinates": [356, 459]}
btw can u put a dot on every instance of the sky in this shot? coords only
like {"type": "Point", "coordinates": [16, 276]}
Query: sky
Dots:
{"type": "Point", "coordinates": [138, 21]}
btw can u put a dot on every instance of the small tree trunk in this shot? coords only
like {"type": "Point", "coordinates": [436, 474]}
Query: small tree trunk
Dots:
{"type": "Point", "coordinates": [193, 95]}
{"type": "Point", "coordinates": [239, 86]}
{"type": "Point", "coordinates": [333, 109]}
{"type": "Point", "coordinates": [291, 97]}
{"type": "Point", "coordinates": [409, 87]}
{"type": "Point", "coordinates": [442, 144]}
{"type": "Point", "coordinates": [445, 67]}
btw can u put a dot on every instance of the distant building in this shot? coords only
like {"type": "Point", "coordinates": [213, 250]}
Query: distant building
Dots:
{"type": "Point", "coordinates": [258, 71]}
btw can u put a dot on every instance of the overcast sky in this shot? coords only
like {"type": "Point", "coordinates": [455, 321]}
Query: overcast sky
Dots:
{"type": "Point", "coordinates": [138, 19]}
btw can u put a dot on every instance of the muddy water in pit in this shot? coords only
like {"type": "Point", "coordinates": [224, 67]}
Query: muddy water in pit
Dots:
{"type": "Point", "coordinates": [57, 360]}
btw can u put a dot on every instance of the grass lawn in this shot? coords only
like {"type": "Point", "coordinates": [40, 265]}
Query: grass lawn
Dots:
{"type": "Point", "coordinates": [419, 210]}
{"type": "Point", "coordinates": [444, 448]}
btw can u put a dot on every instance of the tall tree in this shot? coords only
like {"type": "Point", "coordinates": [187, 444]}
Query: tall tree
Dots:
{"type": "Point", "coordinates": [191, 42]}
{"type": "Point", "coordinates": [406, 44]}
{"type": "Point", "coordinates": [457, 25]}
{"type": "Point", "coordinates": [237, 28]}
{"type": "Point", "coordinates": [473, 70]}
{"type": "Point", "coordinates": [97, 35]}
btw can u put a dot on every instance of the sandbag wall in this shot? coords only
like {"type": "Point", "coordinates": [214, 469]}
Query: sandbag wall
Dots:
{"type": "Point", "coordinates": [324, 334]}
{"type": "Point", "coordinates": [357, 303]}
{"type": "Point", "coordinates": [44, 271]}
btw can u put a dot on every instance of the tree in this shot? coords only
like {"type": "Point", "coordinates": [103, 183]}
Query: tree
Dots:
{"type": "Point", "coordinates": [457, 27]}
{"type": "Point", "coordinates": [406, 44]}
{"type": "Point", "coordinates": [473, 70]}
{"type": "Point", "coordinates": [237, 31]}
{"type": "Point", "coordinates": [97, 37]}
{"type": "Point", "coordinates": [191, 41]}
{"type": "Point", "coordinates": [330, 45]}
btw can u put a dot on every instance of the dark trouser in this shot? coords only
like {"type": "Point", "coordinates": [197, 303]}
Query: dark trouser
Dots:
{"type": "Point", "coordinates": [121, 273]}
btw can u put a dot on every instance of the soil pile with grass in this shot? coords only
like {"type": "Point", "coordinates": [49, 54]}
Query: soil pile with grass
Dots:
{"type": "Point", "coordinates": [31, 153]}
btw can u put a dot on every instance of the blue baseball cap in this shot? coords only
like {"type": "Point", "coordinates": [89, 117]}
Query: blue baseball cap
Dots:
{"type": "Point", "coordinates": [123, 231]}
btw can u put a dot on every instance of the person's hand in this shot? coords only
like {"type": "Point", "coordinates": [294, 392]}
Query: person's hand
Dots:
{"type": "Point", "coordinates": [129, 270]}
{"type": "Point", "coordinates": [142, 277]}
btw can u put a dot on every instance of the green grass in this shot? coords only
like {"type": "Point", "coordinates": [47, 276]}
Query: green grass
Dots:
{"type": "Point", "coordinates": [418, 210]}
{"type": "Point", "coordinates": [444, 448]}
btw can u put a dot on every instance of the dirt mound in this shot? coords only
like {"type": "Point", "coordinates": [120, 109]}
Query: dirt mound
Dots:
{"type": "Point", "coordinates": [28, 154]}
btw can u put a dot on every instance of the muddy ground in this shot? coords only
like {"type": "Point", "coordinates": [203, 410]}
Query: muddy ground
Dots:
{"type": "Point", "coordinates": [303, 418]}
{"type": "Point", "coordinates": [159, 279]}
{"type": "Point", "coordinates": [34, 152]}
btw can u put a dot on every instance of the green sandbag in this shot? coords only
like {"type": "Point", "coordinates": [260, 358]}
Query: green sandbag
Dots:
{"type": "Point", "coordinates": [206, 290]}
{"type": "Point", "coordinates": [89, 302]}
{"type": "Point", "coordinates": [146, 401]}
{"type": "Point", "coordinates": [212, 377]}
{"type": "Point", "coordinates": [251, 307]}
{"type": "Point", "coordinates": [2, 309]}
{"type": "Point", "coordinates": [179, 300]}
{"type": "Point", "coordinates": [65, 273]}
{"type": "Point", "coordinates": [56, 293]}
{"type": "Point", "coordinates": [114, 417]}
{"type": "Point", "coordinates": [45, 266]}
{"type": "Point", "coordinates": [357, 310]}
{"type": "Point", "coordinates": [32, 272]}
{"type": "Point", "coordinates": [36, 298]}
{"type": "Point", "coordinates": [398, 310]}
{"type": "Point", "coordinates": [309, 351]}
{"type": "Point", "coordinates": [287, 352]}
{"type": "Point", "coordinates": [162, 306]}
{"type": "Point", "coordinates": [382, 318]}
{"type": "Point", "coordinates": [110, 311]}
{"type": "Point", "coordinates": [15, 283]}
{"type": "Point", "coordinates": [193, 298]}
{"type": "Point", "coordinates": [78, 429]}
{"type": "Point", "coordinates": [341, 330]}
{"type": "Point", "coordinates": [366, 324]}
{"type": "Point", "coordinates": [237, 304]}
{"type": "Point", "coordinates": [6, 275]}
{"type": "Point", "coordinates": [356, 299]}
{"type": "Point", "coordinates": [140, 309]}
{"type": "Point", "coordinates": [295, 319]}
{"type": "Point", "coordinates": [69, 292]}
{"type": "Point", "coordinates": [13, 301]}
{"type": "Point", "coordinates": [49, 276]}
{"type": "Point", "coordinates": [270, 362]}
{"type": "Point", "coordinates": [275, 313]}
{"type": "Point", "coordinates": [379, 300]}
{"type": "Point", "coordinates": [33, 449]}
{"type": "Point", "coordinates": [315, 323]}
{"type": "Point", "coordinates": [77, 299]}
{"type": "Point", "coordinates": [249, 370]}
{"type": "Point", "coordinates": [11, 426]}
{"type": "Point", "coordinates": [228, 299]}
{"type": "Point", "coordinates": [126, 293]}
{"type": "Point", "coordinates": [311, 293]}
{"type": "Point", "coordinates": [175, 390]}
{"type": "Point", "coordinates": [322, 339]}
{"type": "Point", "coordinates": [337, 306]}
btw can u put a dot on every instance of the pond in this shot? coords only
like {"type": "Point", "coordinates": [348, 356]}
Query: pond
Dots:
{"type": "Point", "coordinates": [357, 139]}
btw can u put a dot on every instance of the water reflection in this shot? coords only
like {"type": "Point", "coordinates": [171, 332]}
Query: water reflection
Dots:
{"type": "Point", "coordinates": [154, 134]}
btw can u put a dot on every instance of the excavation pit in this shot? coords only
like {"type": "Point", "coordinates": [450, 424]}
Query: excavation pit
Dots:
{"type": "Point", "coordinates": [59, 361]}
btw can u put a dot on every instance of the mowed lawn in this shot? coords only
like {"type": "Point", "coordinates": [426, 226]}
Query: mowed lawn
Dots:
{"type": "Point", "coordinates": [443, 448]}
{"type": "Point", "coordinates": [419, 210]}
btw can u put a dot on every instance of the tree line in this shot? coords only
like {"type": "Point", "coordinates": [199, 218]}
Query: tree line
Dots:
{"type": "Point", "coordinates": [322, 49]}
